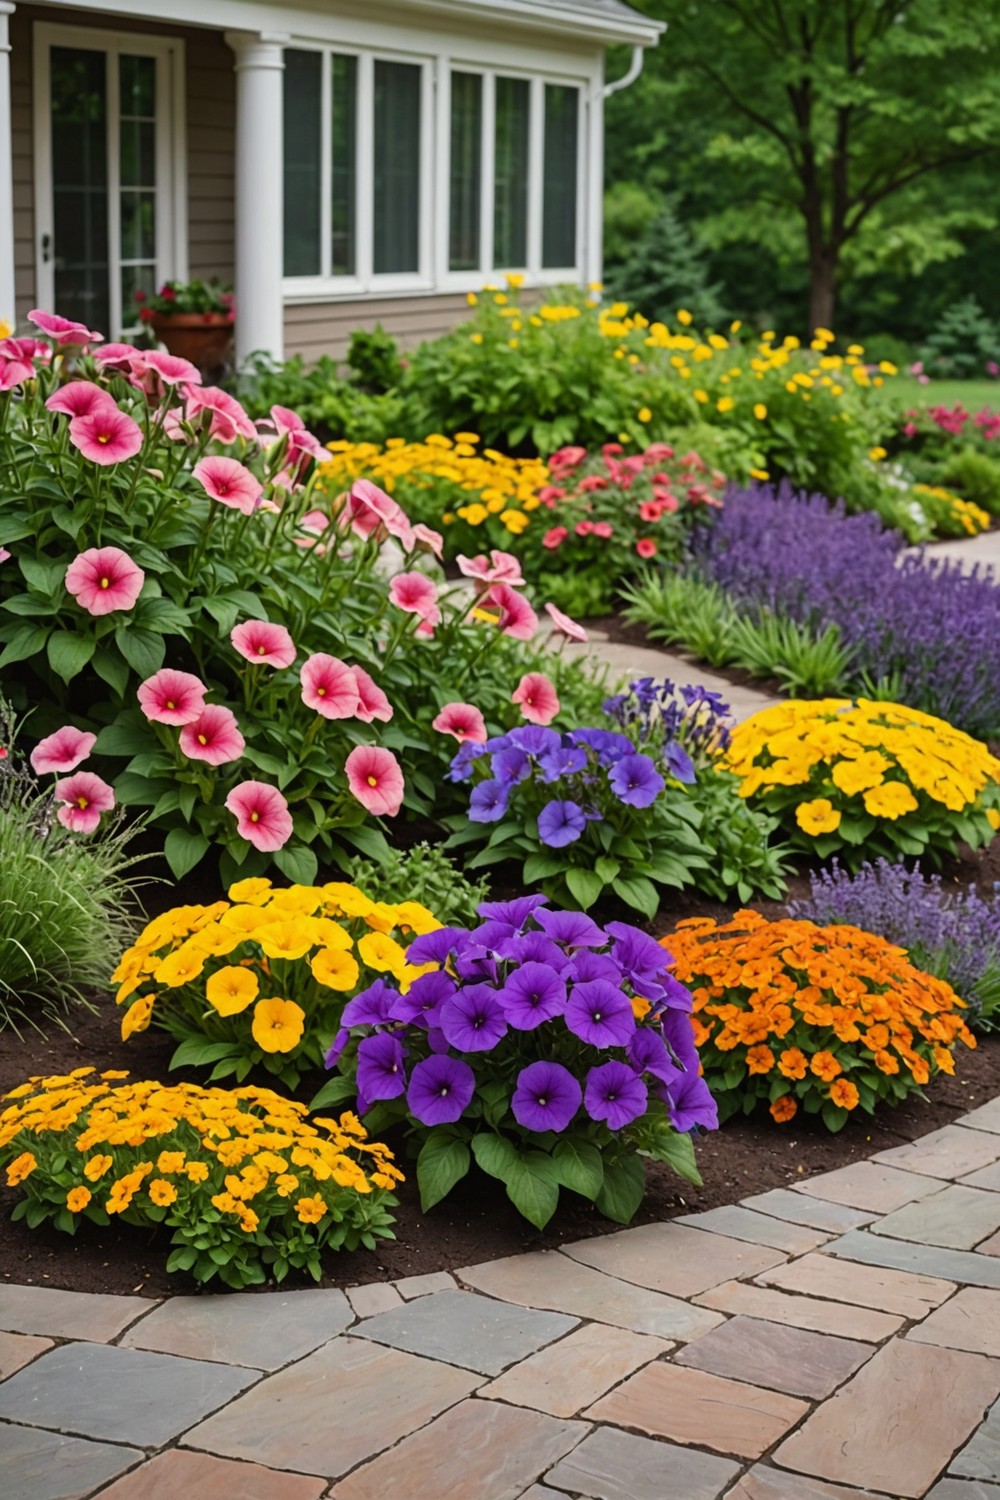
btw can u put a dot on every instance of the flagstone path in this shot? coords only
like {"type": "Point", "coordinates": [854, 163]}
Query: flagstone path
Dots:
{"type": "Point", "coordinates": [836, 1340]}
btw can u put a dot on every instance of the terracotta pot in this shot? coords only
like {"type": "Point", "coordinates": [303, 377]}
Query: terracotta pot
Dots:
{"type": "Point", "coordinates": [203, 338]}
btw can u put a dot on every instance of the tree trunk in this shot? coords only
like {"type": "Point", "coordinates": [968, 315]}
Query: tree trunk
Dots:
{"type": "Point", "coordinates": [822, 291]}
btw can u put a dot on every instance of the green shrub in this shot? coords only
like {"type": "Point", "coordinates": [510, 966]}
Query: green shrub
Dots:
{"type": "Point", "coordinates": [425, 874]}
{"type": "Point", "coordinates": [975, 476]}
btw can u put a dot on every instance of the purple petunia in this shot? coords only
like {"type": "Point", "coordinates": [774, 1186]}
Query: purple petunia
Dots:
{"type": "Point", "coordinates": [560, 823]}
{"type": "Point", "coordinates": [473, 1019]}
{"type": "Point", "coordinates": [510, 765]}
{"type": "Point", "coordinates": [534, 993]}
{"type": "Point", "coordinates": [679, 764]}
{"type": "Point", "coordinates": [600, 1014]}
{"type": "Point", "coordinates": [615, 1094]}
{"type": "Point", "coordinates": [647, 1052]}
{"type": "Point", "coordinates": [566, 761]}
{"type": "Point", "coordinates": [340, 1041]}
{"type": "Point", "coordinates": [437, 947]}
{"type": "Point", "coordinates": [440, 1090]}
{"type": "Point", "coordinates": [533, 739]}
{"type": "Point", "coordinates": [423, 1000]}
{"type": "Point", "coordinates": [381, 1074]}
{"type": "Point", "coordinates": [689, 1103]}
{"type": "Point", "coordinates": [547, 1097]}
{"type": "Point", "coordinates": [488, 802]}
{"type": "Point", "coordinates": [679, 1034]}
{"type": "Point", "coordinates": [586, 966]}
{"type": "Point", "coordinates": [635, 781]}
{"type": "Point", "coordinates": [608, 745]}
{"type": "Point", "coordinates": [461, 765]}
{"type": "Point", "coordinates": [536, 948]}
{"type": "Point", "coordinates": [372, 1007]}
{"type": "Point", "coordinates": [515, 912]}
{"type": "Point", "coordinates": [573, 929]}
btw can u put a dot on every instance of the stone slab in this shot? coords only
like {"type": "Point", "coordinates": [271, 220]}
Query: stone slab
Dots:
{"type": "Point", "coordinates": [18, 1350]}
{"type": "Point", "coordinates": [961, 1266]}
{"type": "Point", "coordinates": [986, 1177]}
{"type": "Point", "coordinates": [548, 1279]}
{"type": "Point", "coordinates": [780, 1358]}
{"type": "Point", "coordinates": [870, 1185]}
{"type": "Point", "coordinates": [990, 1246]}
{"type": "Point", "coordinates": [422, 1286]}
{"type": "Point", "coordinates": [542, 1492]}
{"type": "Point", "coordinates": [183, 1475]}
{"type": "Point", "coordinates": [961, 1489]}
{"type": "Point", "coordinates": [741, 1223]}
{"type": "Point", "coordinates": [969, 1320]}
{"type": "Point", "coordinates": [39, 1465]}
{"type": "Point", "coordinates": [705, 1411]}
{"type": "Point", "coordinates": [879, 1287]}
{"type": "Point", "coordinates": [334, 1409]}
{"type": "Point", "coordinates": [377, 1297]}
{"type": "Point", "coordinates": [119, 1395]}
{"type": "Point", "coordinates": [814, 1313]}
{"type": "Point", "coordinates": [896, 1424]}
{"type": "Point", "coordinates": [950, 1152]}
{"type": "Point", "coordinates": [957, 1218]}
{"type": "Point", "coordinates": [68, 1315]}
{"type": "Point", "coordinates": [613, 1465]}
{"type": "Point", "coordinates": [674, 1258]}
{"type": "Point", "coordinates": [566, 1377]}
{"type": "Point", "coordinates": [801, 1208]}
{"type": "Point", "coordinates": [764, 1483]}
{"type": "Point", "coordinates": [464, 1328]}
{"type": "Point", "coordinates": [980, 1459]}
{"type": "Point", "coordinates": [986, 1117]}
{"type": "Point", "coordinates": [244, 1330]}
{"type": "Point", "coordinates": [479, 1449]}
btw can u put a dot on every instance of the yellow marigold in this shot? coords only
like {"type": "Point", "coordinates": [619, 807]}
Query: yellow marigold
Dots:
{"type": "Point", "coordinates": [818, 816]}
{"type": "Point", "coordinates": [844, 1094]}
{"type": "Point", "coordinates": [310, 1210]}
{"type": "Point", "coordinates": [231, 989]}
{"type": "Point", "coordinates": [891, 800]}
{"type": "Point", "coordinates": [162, 1193]}
{"type": "Point", "coordinates": [77, 1199]}
{"type": "Point", "coordinates": [278, 1025]}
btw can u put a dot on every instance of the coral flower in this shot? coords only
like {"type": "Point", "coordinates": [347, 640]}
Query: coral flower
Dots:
{"type": "Point", "coordinates": [375, 779]}
{"type": "Point", "coordinates": [499, 567]}
{"type": "Point", "coordinates": [646, 547]}
{"type": "Point", "coordinates": [517, 618]}
{"type": "Point", "coordinates": [80, 398]}
{"type": "Point", "coordinates": [62, 751]}
{"type": "Point", "coordinates": [85, 796]}
{"type": "Point", "coordinates": [104, 579]}
{"type": "Point", "coordinates": [172, 697]}
{"type": "Point", "coordinates": [105, 435]}
{"type": "Point", "coordinates": [229, 482]}
{"type": "Point", "coordinates": [262, 816]}
{"type": "Point", "coordinates": [564, 625]}
{"type": "Point", "coordinates": [372, 702]}
{"type": "Point", "coordinates": [260, 641]}
{"type": "Point", "coordinates": [329, 686]}
{"type": "Point", "coordinates": [170, 369]}
{"type": "Point", "coordinates": [537, 697]}
{"type": "Point", "coordinates": [63, 330]}
{"type": "Point", "coordinates": [229, 420]}
{"type": "Point", "coordinates": [416, 594]}
{"type": "Point", "coordinates": [429, 540]}
{"type": "Point", "coordinates": [463, 720]}
{"type": "Point", "coordinates": [213, 737]}
{"type": "Point", "coordinates": [277, 1025]}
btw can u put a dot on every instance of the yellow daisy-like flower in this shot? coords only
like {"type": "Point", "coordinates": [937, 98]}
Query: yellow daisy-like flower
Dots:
{"type": "Point", "coordinates": [77, 1199]}
{"type": "Point", "coordinates": [335, 969]}
{"type": "Point", "coordinates": [277, 1025]}
{"type": "Point", "coordinates": [644, 414]}
{"type": "Point", "coordinates": [818, 816]}
{"type": "Point", "coordinates": [760, 411]}
{"type": "Point", "coordinates": [137, 1017]}
{"type": "Point", "coordinates": [230, 990]}
{"type": "Point", "coordinates": [891, 800]}
{"type": "Point", "coordinates": [310, 1210]}
{"type": "Point", "coordinates": [381, 953]}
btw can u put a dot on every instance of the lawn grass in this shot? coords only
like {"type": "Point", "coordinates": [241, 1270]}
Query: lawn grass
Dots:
{"type": "Point", "coordinates": [973, 394]}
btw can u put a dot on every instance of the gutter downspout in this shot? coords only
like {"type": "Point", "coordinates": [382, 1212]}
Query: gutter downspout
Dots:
{"type": "Point", "coordinates": [634, 69]}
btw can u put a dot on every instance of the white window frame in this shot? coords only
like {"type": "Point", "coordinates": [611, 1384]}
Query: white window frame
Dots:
{"type": "Point", "coordinates": [326, 286]}
{"type": "Point", "coordinates": [171, 155]}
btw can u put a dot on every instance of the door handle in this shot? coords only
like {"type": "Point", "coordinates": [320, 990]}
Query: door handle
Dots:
{"type": "Point", "coordinates": [46, 248]}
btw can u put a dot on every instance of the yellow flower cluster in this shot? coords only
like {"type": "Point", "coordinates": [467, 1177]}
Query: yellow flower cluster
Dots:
{"type": "Point", "coordinates": [99, 1145]}
{"type": "Point", "coordinates": [948, 513]}
{"type": "Point", "coordinates": [424, 477]}
{"type": "Point", "coordinates": [292, 954]}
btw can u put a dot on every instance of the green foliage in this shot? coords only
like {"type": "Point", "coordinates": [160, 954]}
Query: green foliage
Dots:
{"type": "Point", "coordinates": [973, 475]}
{"type": "Point", "coordinates": [962, 342]}
{"type": "Point", "coordinates": [373, 361]}
{"type": "Point", "coordinates": [422, 873]}
{"type": "Point", "coordinates": [629, 209]}
{"type": "Point", "coordinates": [745, 860]}
{"type": "Point", "coordinates": [664, 269]}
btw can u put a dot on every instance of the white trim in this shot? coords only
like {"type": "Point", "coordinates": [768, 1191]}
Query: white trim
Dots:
{"type": "Point", "coordinates": [7, 254]}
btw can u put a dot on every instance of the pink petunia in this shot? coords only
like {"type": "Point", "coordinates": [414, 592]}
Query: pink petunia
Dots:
{"type": "Point", "coordinates": [517, 618]}
{"type": "Point", "coordinates": [262, 816]}
{"type": "Point", "coordinates": [84, 797]}
{"type": "Point", "coordinates": [105, 435]}
{"type": "Point", "coordinates": [463, 720]}
{"type": "Point", "coordinates": [301, 445]}
{"type": "Point", "coordinates": [170, 369]}
{"type": "Point", "coordinates": [537, 697]}
{"type": "Point", "coordinates": [4, 554]}
{"type": "Point", "coordinates": [63, 330]}
{"type": "Point", "coordinates": [554, 538]}
{"type": "Point", "coordinates": [372, 702]}
{"type": "Point", "coordinates": [429, 540]}
{"type": "Point", "coordinates": [567, 458]}
{"type": "Point", "coordinates": [123, 359]}
{"type": "Point", "coordinates": [213, 737]}
{"type": "Point", "coordinates": [172, 697]}
{"type": "Point", "coordinates": [499, 567]}
{"type": "Point", "coordinates": [415, 593]}
{"type": "Point", "coordinates": [261, 642]}
{"type": "Point", "coordinates": [646, 547]}
{"type": "Point", "coordinates": [370, 510]}
{"type": "Point", "coordinates": [14, 372]}
{"type": "Point", "coordinates": [79, 398]}
{"type": "Point", "coordinates": [329, 686]}
{"type": "Point", "coordinates": [375, 779]}
{"type": "Point", "coordinates": [104, 579]}
{"type": "Point", "coordinates": [62, 751]}
{"type": "Point", "coordinates": [229, 482]}
{"type": "Point", "coordinates": [228, 419]}
{"type": "Point", "coordinates": [565, 625]}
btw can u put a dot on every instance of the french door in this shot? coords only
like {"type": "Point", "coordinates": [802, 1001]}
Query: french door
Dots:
{"type": "Point", "coordinates": [109, 187]}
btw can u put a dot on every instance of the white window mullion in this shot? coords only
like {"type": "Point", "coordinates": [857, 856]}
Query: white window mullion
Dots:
{"type": "Point", "coordinates": [366, 166]}
{"type": "Point", "coordinates": [326, 167]}
{"type": "Point", "coordinates": [487, 174]}
{"type": "Point", "coordinates": [112, 85]}
{"type": "Point", "coordinates": [536, 170]}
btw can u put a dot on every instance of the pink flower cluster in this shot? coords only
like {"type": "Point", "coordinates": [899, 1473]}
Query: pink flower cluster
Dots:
{"type": "Point", "coordinates": [83, 797]}
{"type": "Point", "coordinates": [104, 579]}
{"type": "Point", "coordinates": [954, 420]}
{"type": "Point", "coordinates": [208, 731]}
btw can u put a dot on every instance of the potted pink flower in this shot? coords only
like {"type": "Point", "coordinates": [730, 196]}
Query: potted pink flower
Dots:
{"type": "Point", "coordinates": [194, 319]}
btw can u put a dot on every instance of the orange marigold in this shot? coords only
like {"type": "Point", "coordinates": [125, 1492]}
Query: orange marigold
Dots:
{"type": "Point", "coordinates": [760, 1060]}
{"type": "Point", "coordinates": [844, 1094]}
{"type": "Point", "coordinates": [792, 1064]}
{"type": "Point", "coordinates": [784, 1109]}
{"type": "Point", "coordinates": [825, 1066]}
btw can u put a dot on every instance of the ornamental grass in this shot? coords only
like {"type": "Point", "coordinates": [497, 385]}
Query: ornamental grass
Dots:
{"type": "Point", "coordinates": [248, 1185]}
{"type": "Point", "coordinates": [261, 979]}
{"type": "Point", "coordinates": [830, 1018]}
{"type": "Point", "coordinates": [862, 779]}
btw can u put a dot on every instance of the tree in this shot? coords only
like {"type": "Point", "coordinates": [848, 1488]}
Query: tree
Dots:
{"type": "Point", "coordinates": [831, 111]}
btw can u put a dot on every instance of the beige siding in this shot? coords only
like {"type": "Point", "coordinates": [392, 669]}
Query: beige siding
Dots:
{"type": "Point", "coordinates": [316, 328]}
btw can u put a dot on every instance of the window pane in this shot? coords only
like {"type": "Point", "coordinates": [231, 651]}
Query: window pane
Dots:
{"type": "Point", "coordinates": [303, 93]}
{"type": "Point", "coordinates": [138, 225]}
{"type": "Point", "coordinates": [510, 199]}
{"type": "Point", "coordinates": [562, 118]}
{"type": "Point", "coordinates": [466, 171]}
{"type": "Point", "coordinates": [343, 184]}
{"type": "Point", "coordinates": [79, 186]}
{"type": "Point", "coordinates": [397, 167]}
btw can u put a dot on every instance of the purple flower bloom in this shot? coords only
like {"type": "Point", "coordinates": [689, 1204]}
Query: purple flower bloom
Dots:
{"type": "Point", "coordinates": [381, 1074]}
{"type": "Point", "coordinates": [608, 745]}
{"type": "Point", "coordinates": [488, 802]}
{"type": "Point", "coordinates": [534, 993]}
{"type": "Point", "coordinates": [438, 946]}
{"type": "Point", "coordinates": [679, 1035]}
{"type": "Point", "coordinates": [372, 1007]}
{"type": "Point", "coordinates": [573, 929]}
{"type": "Point", "coordinates": [586, 966]}
{"type": "Point", "coordinates": [340, 1041]}
{"type": "Point", "coordinates": [560, 823]}
{"type": "Point", "coordinates": [515, 912]}
{"type": "Point", "coordinates": [566, 761]}
{"type": "Point", "coordinates": [636, 781]}
{"type": "Point", "coordinates": [689, 1103]}
{"type": "Point", "coordinates": [440, 1089]}
{"type": "Point", "coordinates": [473, 1019]}
{"type": "Point", "coordinates": [547, 1097]}
{"type": "Point", "coordinates": [510, 765]}
{"type": "Point", "coordinates": [534, 739]}
{"type": "Point", "coordinates": [600, 1014]}
{"type": "Point", "coordinates": [679, 763]}
{"type": "Point", "coordinates": [614, 1094]}
{"type": "Point", "coordinates": [423, 1000]}
{"type": "Point", "coordinates": [647, 1052]}
{"type": "Point", "coordinates": [461, 765]}
{"type": "Point", "coordinates": [641, 958]}
{"type": "Point", "coordinates": [536, 948]}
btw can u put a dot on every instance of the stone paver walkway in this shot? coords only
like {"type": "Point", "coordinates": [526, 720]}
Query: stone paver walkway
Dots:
{"type": "Point", "coordinates": [624, 661]}
{"type": "Point", "coordinates": [830, 1341]}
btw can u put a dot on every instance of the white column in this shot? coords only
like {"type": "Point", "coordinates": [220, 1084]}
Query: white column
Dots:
{"type": "Point", "coordinates": [7, 309]}
{"type": "Point", "coordinates": [259, 67]}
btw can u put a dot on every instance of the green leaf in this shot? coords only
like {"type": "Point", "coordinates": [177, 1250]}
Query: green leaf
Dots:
{"type": "Point", "coordinates": [122, 739]}
{"type": "Point", "coordinates": [677, 1150]}
{"type": "Point", "coordinates": [540, 866]}
{"type": "Point", "coordinates": [370, 841]}
{"type": "Point", "coordinates": [833, 1118]}
{"type": "Point", "coordinates": [111, 669]}
{"type": "Point", "coordinates": [194, 1051]}
{"type": "Point", "coordinates": [297, 863]}
{"type": "Point", "coordinates": [144, 650]}
{"type": "Point", "coordinates": [637, 892]}
{"type": "Point", "coordinates": [183, 850]}
{"type": "Point", "coordinates": [69, 653]}
{"type": "Point", "coordinates": [624, 1184]}
{"type": "Point", "coordinates": [44, 577]}
{"type": "Point", "coordinates": [26, 641]}
{"type": "Point", "coordinates": [495, 1154]}
{"type": "Point", "coordinates": [606, 868]}
{"type": "Point", "coordinates": [585, 885]}
{"type": "Point", "coordinates": [580, 1166]}
{"type": "Point", "coordinates": [443, 1161]}
{"type": "Point", "coordinates": [335, 1091]}
{"type": "Point", "coordinates": [533, 1187]}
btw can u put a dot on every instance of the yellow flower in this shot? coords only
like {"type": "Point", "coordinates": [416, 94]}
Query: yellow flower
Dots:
{"type": "Point", "coordinates": [162, 1193]}
{"type": "Point", "coordinates": [310, 1210]}
{"type": "Point", "coordinates": [644, 414]}
{"type": "Point", "coordinates": [231, 989]}
{"type": "Point", "coordinates": [993, 818]}
{"type": "Point", "coordinates": [381, 953]}
{"type": "Point", "coordinates": [291, 939]}
{"type": "Point", "coordinates": [170, 1161]}
{"type": "Point", "coordinates": [21, 1167]}
{"type": "Point", "coordinates": [334, 969]}
{"type": "Point", "coordinates": [760, 411]}
{"type": "Point", "coordinates": [876, 454]}
{"type": "Point", "coordinates": [473, 515]}
{"type": "Point", "coordinates": [137, 1017]}
{"type": "Point", "coordinates": [893, 799]}
{"type": "Point", "coordinates": [77, 1199]}
{"type": "Point", "coordinates": [817, 816]}
{"type": "Point", "coordinates": [96, 1167]}
{"type": "Point", "coordinates": [684, 317]}
{"type": "Point", "coordinates": [725, 403]}
{"type": "Point", "coordinates": [515, 521]}
{"type": "Point", "coordinates": [196, 1171]}
{"type": "Point", "coordinates": [867, 771]}
{"type": "Point", "coordinates": [277, 1025]}
{"type": "Point", "coordinates": [252, 891]}
{"type": "Point", "coordinates": [182, 966]}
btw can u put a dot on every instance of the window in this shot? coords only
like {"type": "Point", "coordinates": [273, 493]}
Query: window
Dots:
{"type": "Point", "coordinates": [397, 167]}
{"type": "Point", "coordinates": [303, 116]}
{"type": "Point", "coordinates": [510, 172]}
{"type": "Point", "coordinates": [562, 111]}
{"type": "Point", "coordinates": [464, 227]}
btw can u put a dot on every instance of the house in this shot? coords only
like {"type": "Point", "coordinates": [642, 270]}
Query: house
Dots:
{"type": "Point", "coordinates": [343, 162]}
